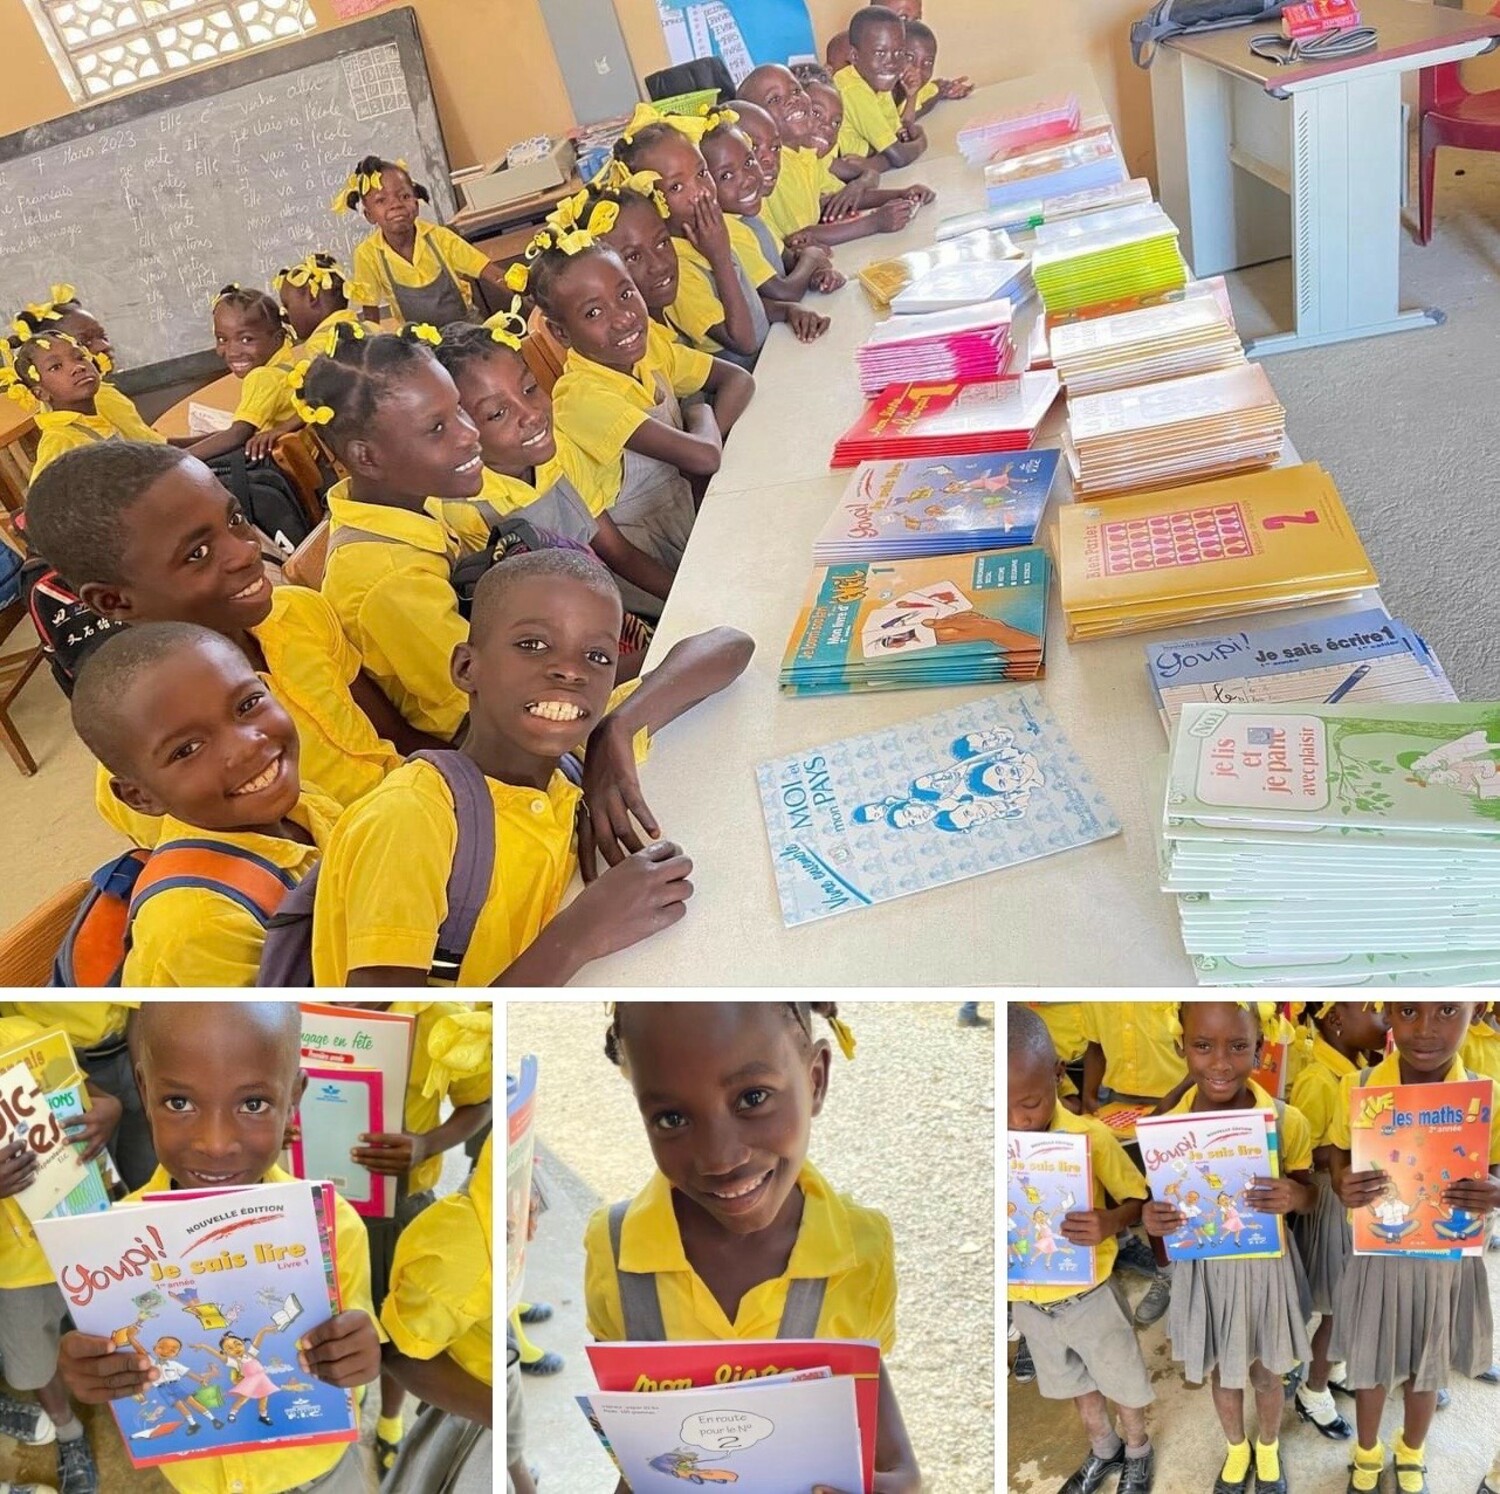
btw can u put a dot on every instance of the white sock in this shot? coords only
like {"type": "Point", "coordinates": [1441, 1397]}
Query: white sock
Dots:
{"type": "Point", "coordinates": [1319, 1404]}
{"type": "Point", "coordinates": [1338, 1373]}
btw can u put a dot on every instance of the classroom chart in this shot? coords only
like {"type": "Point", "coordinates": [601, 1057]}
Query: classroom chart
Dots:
{"type": "Point", "coordinates": [996, 929]}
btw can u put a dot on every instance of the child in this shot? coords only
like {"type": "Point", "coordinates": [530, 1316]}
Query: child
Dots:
{"type": "Point", "coordinates": [148, 534]}
{"type": "Point", "coordinates": [32, 1316]}
{"type": "Point", "coordinates": [253, 337]}
{"type": "Point", "coordinates": [538, 668]}
{"type": "Point", "coordinates": [1400, 1319]}
{"type": "Point", "coordinates": [501, 396]}
{"type": "Point", "coordinates": [189, 732]}
{"type": "Point", "coordinates": [734, 1197]}
{"type": "Point", "coordinates": [838, 54]}
{"type": "Point", "coordinates": [1481, 1049]}
{"type": "Point", "coordinates": [1082, 1343]}
{"type": "Point", "coordinates": [52, 373]}
{"type": "Point", "coordinates": [420, 271]}
{"type": "Point", "coordinates": [876, 129]}
{"type": "Point", "coordinates": [627, 443]}
{"type": "Point", "coordinates": [1240, 1319]}
{"type": "Point", "coordinates": [221, 1080]}
{"type": "Point", "coordinates": [63, 312]}
{"type": "Point", "coordinates": [1350, 1036]}
{"type": "Point", "coordinates": [642, 237]}
{"type": "Point", "coordinates": [910, 12]}
{"type": "Point", "coordinates": [318, 298]}
{"type": "Point", "coordinates": [393, 418]}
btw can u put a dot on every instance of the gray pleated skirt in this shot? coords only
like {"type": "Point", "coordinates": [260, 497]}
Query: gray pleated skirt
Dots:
{"type": "Point", "coordinates": [1397, 1318]}
{"type": "Point", "coordinates": [1229, 1314]}
{"type": "Point", "coordinates": [1325, 1242]}
{"type": "Point", "coordinates": [443, 1454]}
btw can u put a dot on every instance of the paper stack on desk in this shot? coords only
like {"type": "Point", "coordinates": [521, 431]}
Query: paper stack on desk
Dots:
{"type": "Point", "coordinates": [956, 287]}
{"type": "Point", "coordinates": [1336, 843]}
{"type": "Point", "coordinates": [1078, 163]}
{"type": "Point", "coordinates": [964, 345]}
{"type": "Point", "coordinates": [884, 279]}
{"type": "Point", "coordinates": [1028, 215]}
{"type": "Point", "coordinates": [1133, 252]}
{"type": "Point", "coordinates": [1216, 549]}
{"type": "Point", "coordinates": [1011, 130]}
{"type": "Point", "coordinates": [1175, 431]}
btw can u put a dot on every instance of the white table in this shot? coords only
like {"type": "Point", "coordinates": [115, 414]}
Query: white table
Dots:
{"type": "Point", "coordinates": [1092, 916]}
{"type": "Point", "coordinates": [1256, 162]}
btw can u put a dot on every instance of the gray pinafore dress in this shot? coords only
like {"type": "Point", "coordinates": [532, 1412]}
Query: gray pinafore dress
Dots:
{"type": "Point", "coordinates": [765, 238]}
{"type": "Point", "coordinates": [438, 302]}
{"type": "Point", "coordinates": [654, 508]}
{"type": "Point", "coordinates": [758, 318]}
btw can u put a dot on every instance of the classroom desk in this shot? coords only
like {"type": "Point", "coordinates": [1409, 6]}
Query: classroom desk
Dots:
{"type": "Point", "coordinates": [1257, 162]}
{"type": "Point", "coordinates": [17, 447]}
{"type": "Point", "coordinates": [1092, 916]}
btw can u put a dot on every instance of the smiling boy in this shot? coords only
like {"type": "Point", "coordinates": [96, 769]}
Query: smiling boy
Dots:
{"type": "Point", "coordinates": [876, 128]}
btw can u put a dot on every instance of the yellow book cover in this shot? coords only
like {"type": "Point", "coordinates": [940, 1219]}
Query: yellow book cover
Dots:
{"type": "Point", "coordinates": [49, 1057]}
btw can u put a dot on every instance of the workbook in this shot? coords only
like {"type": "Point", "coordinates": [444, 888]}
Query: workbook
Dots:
{"type": "Point", "coordinates": [885, 278]}
{"type": "Point", "coordinates": [215, 1288]}
{"type": "Point", "coordinates": [1423, 1137]}
{"type": "Point", "coordinates": [1048, 1176]}
{"type": "Point", "coordinates": [520, 1156]}
{"type": "Point", "coordinates": [1076, 163]}
{"type": "Point", "coordinates": [970, 790]}
{"type": "Point", "coordinates": [1133, 252]}
{"type": "Point", "coordinates": [1203, 1163]}
{"type": "Point", "coordinates": [954, 287]}
{"type": "Point", "coordinates": [963, 345]}
{"type": "Point", "coordinates": [1025, 215]}
{"type": "Point", "coordinates": [1016, 128]}
{"type": "Point", "coordinates": [1169, 340]}
{"type": "Point", "coordinates": [339, 1107]}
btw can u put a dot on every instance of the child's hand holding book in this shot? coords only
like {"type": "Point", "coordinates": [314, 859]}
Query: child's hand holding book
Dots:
{"type": "Point", "coordinates": [1278, 1196]}
{"type": "Point", "coordinates": [1356, 1190]}
{"type": "Point", "coordinates": [94, 1128]}
{"type": "Point", "coordinates": [344, 1351]}
{"type": "Point", "coordinates": [96, 1370]}
{"type": "Point", "coordinates": [391, 1153]}
{"type": "Point", "coordinates": [18, 1166]}
{"type": "Point", "coordinates": [1162, 1219]}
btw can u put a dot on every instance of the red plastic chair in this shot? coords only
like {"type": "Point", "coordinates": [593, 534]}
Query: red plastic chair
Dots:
{"type": "Point", "coordinates": [1451, 115]}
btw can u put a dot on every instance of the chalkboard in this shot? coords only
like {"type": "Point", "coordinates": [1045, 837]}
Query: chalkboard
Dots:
{"type": "Point", "coordinates": [150, 202]}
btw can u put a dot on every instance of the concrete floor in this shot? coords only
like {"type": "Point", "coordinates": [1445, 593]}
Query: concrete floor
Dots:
{"type": "Point", "coordinates": [1046, 1441]}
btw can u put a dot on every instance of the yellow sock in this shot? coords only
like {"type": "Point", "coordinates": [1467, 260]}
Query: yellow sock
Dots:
{"type": "Point", "coordinates": [1409, 1483]}
{"type": "Point", "coordinates": [1268, 1459]}
{"type": "Point", "coordinates": [1368, 1461]}
{"type": "Point", "coordinates": [389, 1428]}
{"type": "Point", "coordinates": [1236, 1462]}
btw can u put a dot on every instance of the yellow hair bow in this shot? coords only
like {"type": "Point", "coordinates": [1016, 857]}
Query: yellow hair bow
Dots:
{"type": "Point", "coordinates": [508, 327]}
{"type": "Point", "coordinates": [616, 176]}
{"type": "Point", "coordinates": [517, 278]}
{"type": "Point", "coordinates": [644, 116]}
{"type": "Point", "coordinates": [424, 332]}
{"type": "Point", "coordinates": [460, 1047]}
{"type": "Point", "coordinates": [714, 119]}
{"type": "Point", "coordinates": [43, 311]}
{"type": "Point", "coordinates": [13, 389]}
{"type": "Point", "coordinates": [694, 126]}
{"type": "Point", "coordinates": [568, 217]}
{"type": "Point", "coordinates": [309, 274]}
{"type": "Point", "coordinates": [1274, 1028]}
{"type": "Point", "coordinates": [310, 414]}
{"type": "Point", "coordinates": [845, 1035]}
{"type": "Point", "coordinates": [62, 293]}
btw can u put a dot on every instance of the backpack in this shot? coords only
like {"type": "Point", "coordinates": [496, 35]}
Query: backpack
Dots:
{"type": "Point", "coordinates": [93, 951]}
{"type": "Point", "coordinates": [1174, 17]}
{"type": "Point", "coordinates": [68, 630]}
{"type": "Point", "coordinates": [265, 496]}
{"type": "Point", "coordinates": [11, 564]}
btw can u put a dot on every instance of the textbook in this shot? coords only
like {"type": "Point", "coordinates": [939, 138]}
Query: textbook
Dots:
{"type": "Point", "coordinates": [1133, 252]}
{"type": "Point", "coordinates": [938, 505]}
{"type": "Point", "coordinates": [963, 345]}
{"type": "Point", "coordinates": [969, 790]}
{"type": "Point", "coordinates": [1202, 1163]}
{"type": "Point", "coordinates": [520, 1155]}
{"type": "Point", "coordinates": [1020, 217]}
{"type": "Point", "coordinates": [338, 1107]}
{"type": "Point", "coordinates": [938, 620]}
{"type": "Point", "coordinates": [1424, 1137]}
{"type": "Point", "coordinates": [1016, 128]}
{"type": "Point", "coordinates": [883, 279]}
{"type": "Point", "coordinates": [1169, 340]}
{"type": "Point", "coordinates": [684, 1364]}
{"type": "Point", "coordinates": [954, 287]}
{"type": "Point", "coordinates": [1076, 163]}
{"type": "Point", "coordinates": [214, 1287]}
{"type": "Point", "coordinates": [1048, 1175]}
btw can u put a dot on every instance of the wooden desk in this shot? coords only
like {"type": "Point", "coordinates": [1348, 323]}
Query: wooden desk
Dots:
{"type": "Point", "coordinates": [18, 437]}
{"type": "Point", "coordinates": [489, 223]}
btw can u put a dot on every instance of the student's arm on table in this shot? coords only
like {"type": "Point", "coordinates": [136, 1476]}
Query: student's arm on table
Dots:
{"type": "Point", "coordinates": [730, 390]}
{"type": "Point", "coordinates": [387, 720]}
{"type": "Point", "coordinates": [919, 194]}
{"type": "Point", "coordinates": [807, 325]}
{"type": "Point", "coordinates": [889, 217]}
{"type": "Point", "coordinates": [904, 152]}
{"type": "Point", "coordinates": [694, 454]}
{"type": "Point", "coordinates": [395, 1153]}
{"type": "Point", "coordinates": [440, 1382]}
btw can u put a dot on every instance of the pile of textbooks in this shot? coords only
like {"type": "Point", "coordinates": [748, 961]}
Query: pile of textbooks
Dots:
{"type": "Point", "coordinates": [1354, 657]}
{"type": "Point", "coordinates": [763, 1414]}
{"type": "Point", "coordinates": [1078, 163]}
{"type": "Point", "coordinates": [1020, 216]}
{"type": "Point", "coordinates": [963, 619]}
{"type": "Point", "coordinates": [885, 279]}
{"type": "Point", "coordinates": [1012, 130]}
{"type": "Point", "coordinates": [1328, 844]}
{"type": "Point", "coordinates": [949, 419]}
{"type": "Point", "coordinates": [1168, 341]}
{"type": "Point", "coordinates": [1216, 549]}
{"type": "Point", "coordinates": [938, 505]}
{"type": "Point", "coordinates": [1178, 430]}
{"type": "Point", "coordinates": [953, 287]}
{"type": "Point", "coordinates": [1129, 251]}
{"type": "Point", "coordinates": [970, 343]}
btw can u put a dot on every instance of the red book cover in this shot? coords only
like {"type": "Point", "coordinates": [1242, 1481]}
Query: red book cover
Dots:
{"type": "Point", "coordinates": [687, 1364]}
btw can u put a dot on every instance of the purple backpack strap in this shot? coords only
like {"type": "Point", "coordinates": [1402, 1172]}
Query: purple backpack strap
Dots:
{"type": "Point", "coordinates": [473, 857]}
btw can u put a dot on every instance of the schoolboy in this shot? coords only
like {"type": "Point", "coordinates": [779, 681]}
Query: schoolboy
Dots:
{"type": "Point", "coordinates": [1082, 1342]}
{"type": "Point", "coordinates": [878, 130]}
{"type": "Point", "coordinates": [189, 732]}
{"type": "Point", "coordinates": [910, 12]}
{"type": "Point", "coordinates": [234, 1068]}
{"type": "Point", "coordinates": [538, 669]}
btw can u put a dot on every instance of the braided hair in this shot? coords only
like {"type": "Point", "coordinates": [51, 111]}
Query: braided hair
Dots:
{"type": "Point", "coordinates": [254, 303]}
{"type": "Point", "coordinates": [342, 392]}
{"type": "Point", "coordinates": [546, 269]}
{"type": "Point", "coordinates": [368, 167]}
{"type": "Point", "coordinates": [466, 343]}
{"type": "Point", "coordinates": [800, 1012]}
{"type": "Point", "coordinates": [632, 151]}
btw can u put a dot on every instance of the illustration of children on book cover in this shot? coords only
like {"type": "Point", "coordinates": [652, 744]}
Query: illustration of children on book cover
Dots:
{"type": "Point", "coordinates": [1423, 1137]}
{"type": "Point", "coordinates": [932, 495]}
{"type": "Point", "coordinates": [1048, 1178]}
{"type": "Point", "coordinates": [1204, 1167]}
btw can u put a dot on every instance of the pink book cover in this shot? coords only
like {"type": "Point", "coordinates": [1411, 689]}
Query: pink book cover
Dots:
{"type": "Point", "coordinates": [338, 1107]}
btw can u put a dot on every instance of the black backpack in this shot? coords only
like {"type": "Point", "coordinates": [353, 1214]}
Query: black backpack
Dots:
{"type": "Point", "coordinates": [1173, 17]}
{"type": "Point", "coordinates": [265, 496]}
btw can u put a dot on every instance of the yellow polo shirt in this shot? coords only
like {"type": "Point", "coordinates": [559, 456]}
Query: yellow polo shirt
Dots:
{"type": "Point", "coordinates": [379, 267]}
{"type": "Point", "coordinates": [1140, 1055]}
{"type": "Point", "coordinates": [441, 1298]}
{"type": "Point", "coordinates": [796, 202]}
{"type": "Point", "coordinates": [116, 419]}
{"type": "Point", "coordinates": [1388, 1071]}
{"type": "Point", "coordinates": [872, 122]}
{"type": "Point", "coordinates": [1315, 1090]}
{"type": "Point", "coordinates": [272, 1472]}
{"type": "Point", "coordinates": [1481, 1050]}
{"type": "Point", "coordinates": [1296, 1134]}
{"type": "Point", "coordinates": [397, 605]}
{"type": "Point", "coordinates": [320, 344]}
{"type": "Point", "coordinates": [838, 1239]}
{"type": "Point", "coordinates": [193, 936]}
{"type": "Point", "coordinates": [87, 1023]}
{"type": "Point", "coordinates": [265, 398]}
{"type": "Point", "coordinates": [1114, 1173]}
{"type": "Point", "coordinates": [424, 1111]}
{"type": "Point", "coordinates": [828, 183]}
{"type": "Point", "coordinates": [699, 307]}
{"type": "Point", "coordinates": [596, 410]}
{"type": "Point", "coordinates": [926, 93]}
{"type": "Point", "coordinates": [22, 1263]}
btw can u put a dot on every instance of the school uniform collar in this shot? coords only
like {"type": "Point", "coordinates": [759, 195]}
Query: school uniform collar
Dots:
{"type": "Point", "coordinates": [1388, 1071]}
{"type": "Point", "coordinates": [502, 489]}
{"type": "Point", "coordinates": [849, 77]}
{"type": "Point", "coordinates": [57, 420]}
{"type": "Point", "coordinates": [651, 1242]}
{"type": "Point", "coordinates": [424, 231]}
{"type": "Point", "coordinates": [1332, 1059]}
{"type": "Point", "coordinates": [637, 380]}
{"type": "Point", "coordinates": [1259, 1099]}
{"type": "Point", "coordinates": [338, 318]}
{"type": "Point", "coordinates": [423, 531]}
{"type": "Point", "coordinates": [313, 812]}
{"type": "Point", "coordinates": [1063, 1119]}
{"type": "Point", "coordinates": [161, 1182]}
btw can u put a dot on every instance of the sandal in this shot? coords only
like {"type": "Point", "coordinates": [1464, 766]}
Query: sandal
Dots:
{"type": "Point", "coordinates": [1420, 1469]}
{"type": "Point", "coordinates": [385, 1456]}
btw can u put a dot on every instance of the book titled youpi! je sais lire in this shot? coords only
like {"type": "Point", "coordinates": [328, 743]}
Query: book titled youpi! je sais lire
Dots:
{"type": "Point", "coordinates": [1048, 1176]}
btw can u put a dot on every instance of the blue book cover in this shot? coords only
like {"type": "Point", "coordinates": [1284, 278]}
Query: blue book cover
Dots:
{"type": "Point", "coordinates": [938, 505]}
{"type": "Point", "coordinates": [967, 791]}
{"type": "Point", "coordinates": [1048, 1177]}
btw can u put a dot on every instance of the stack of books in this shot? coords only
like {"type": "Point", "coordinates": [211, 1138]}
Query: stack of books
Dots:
{"type": "Point", "coordinates": [1168, 341]}
{"type": "Point", "coordinates": [1325, 844]}
{"type": "Point", "coordinates": [966, 619]}
{"type": "Point", "coordinates": [1078, 163]}
{"type": "Point", "coordinates": [1179, 430]}
{"type": "Point", "coordinates": [1083, 262]}
{"type": "Point", "coordinates": [911, 420]}
{"type": "Point", "coordinates": [952, 287]}
{"type": "Point", "coordinates": [1028, 215]}
{"type": "Point", "coordinates": [939, 505]}
{"type": "Point", "coordinates": [1216, 549]}
{"type": "Point", "coordinates": [970, 343]}
{"type": "Point", "coordinates": [884, 279]}
{"type": "Point", "coordinates": [1010, 130]}
{"type": "Point", "coordinates": [1355, 657]}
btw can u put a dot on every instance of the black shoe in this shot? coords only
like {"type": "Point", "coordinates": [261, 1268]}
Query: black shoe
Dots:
{"type": "Point", "coordinates": [1223, 1486]}
{"type": "Point", "coordinates": [1337, 1430]}
{"type": "Point", "coordinates": [1292, 1380]}
{"type": "Point", "coordinates": [538, 1312]}
{"type": "Point", "coordinates": [1094, 1471]}
{"type": "Point", "coordinates": [192, 1429]}
{"type": "Point", "coordinates": [1271, 1485]}
{"type": "Point", "coordinates": [1139, 1474]}
{"type": "Point", "coordinates": [1339, 1388]}
{"type": "Point", "coordinates": [1491, 1376]}
{"type": "Point", "coordinates": [1135, 1256]}
{"type": "Point", "coordinates": [1023, 1369]}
